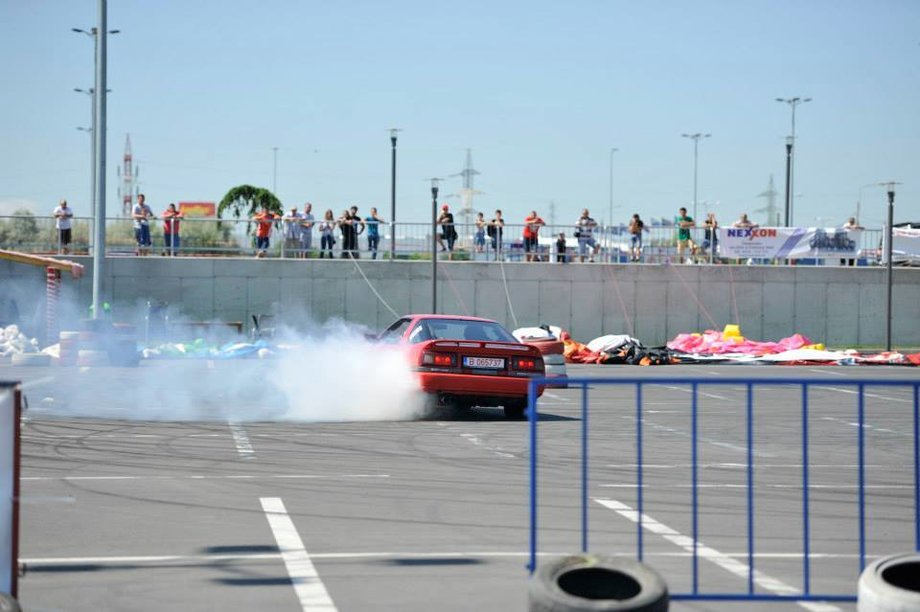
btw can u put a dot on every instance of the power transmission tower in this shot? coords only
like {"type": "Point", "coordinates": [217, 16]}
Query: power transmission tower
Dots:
{"type": "Point", "coordinates": [467, 191]}
{"type": "Point", "coordinates": [770, 208]}
{"type": "Point", "coordinates": [128, 173]}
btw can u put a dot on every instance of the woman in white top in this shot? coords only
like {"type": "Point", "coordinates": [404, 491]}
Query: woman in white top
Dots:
{"type": "Point", "coordinates": [327, 234]}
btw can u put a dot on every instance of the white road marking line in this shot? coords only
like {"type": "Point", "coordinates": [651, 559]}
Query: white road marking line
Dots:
{"type": "Point", "coordinates": [698, 392]}
{"type": "Point", "coordinates": [558, 398]}
{"type": "Point", "coordinates": [772, 466]}
{"type": "Point", "coordinates": [729, 564]}
{"type": "Point", "coordinates": [827, 371]}
{"type": "Point", "coordinates": [307, 584]}
{"type": "Point", "coordinates": [495, 449]}
{"type": "Point", "coordinates": [44, 561]}
{"type": "Point", "coordinates": [203, 477]}
{"type": "Point", "coordinates": [734, 447]}
{"type": "Point", "coordinates": [38, 381]}
{"type": "Point", "coordinates": [872, 395]}
{"type": "Point", "coordinates": [243, 446]}
{"type": "Point", "coordinates": [759, 486]}
{"type": "Point", "coordinates": [867, 426]}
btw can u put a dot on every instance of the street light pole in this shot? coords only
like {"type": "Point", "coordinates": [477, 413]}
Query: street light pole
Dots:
{"type": "Point", "coordinates": [99, 35]}
{"type": "Point", "coordinates": [434, 245]}
{"type": "Point", "coordinates": [696, 150]}
{"type": "Point", "coordinates": [91, 92]}
{"type": "Point", "coordinates": [790, 156]}
{"type": "Point", "coordinates": [610, 218]}
{"type": "Point", "coordinates": [393, 134]}
{"type": "Point", "coordinates": [889, 249]}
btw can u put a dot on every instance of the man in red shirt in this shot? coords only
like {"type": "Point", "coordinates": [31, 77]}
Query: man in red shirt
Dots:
{"type": "Point", "coordinates": [264, 221]}
{"type": "Point", "coordinates": [532, 225]}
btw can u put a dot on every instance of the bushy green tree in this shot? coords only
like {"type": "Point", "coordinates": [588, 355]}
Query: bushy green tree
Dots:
{"type": "Point", "coordinates": [244, 201]}
{"type": "Point", "coordinates": [19, 230]}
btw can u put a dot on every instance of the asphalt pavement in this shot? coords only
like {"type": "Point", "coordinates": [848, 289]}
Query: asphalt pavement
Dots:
{"type": "Point", "coordinates": [122, 510]}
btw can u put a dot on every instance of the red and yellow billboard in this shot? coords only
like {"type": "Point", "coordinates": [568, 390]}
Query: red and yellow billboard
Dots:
{"type": "Point", "coordinates": [198, 209]}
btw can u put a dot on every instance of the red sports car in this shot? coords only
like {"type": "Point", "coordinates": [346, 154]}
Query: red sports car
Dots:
{"type": "Point", "coordinates": [467, 361]}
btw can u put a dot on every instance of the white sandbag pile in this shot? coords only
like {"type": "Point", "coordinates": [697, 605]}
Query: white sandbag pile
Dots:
{"type": "Point", "coordinates": [18, 349]}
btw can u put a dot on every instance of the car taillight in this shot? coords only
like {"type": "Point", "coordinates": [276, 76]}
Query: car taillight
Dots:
{"type": "Point", "coordinates": [443, 360]}
{"type": "Point", "coordinates": [526, 363]}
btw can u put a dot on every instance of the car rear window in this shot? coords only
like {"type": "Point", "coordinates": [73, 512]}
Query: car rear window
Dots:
{"type": "Point", "coordinates": [458, 329]}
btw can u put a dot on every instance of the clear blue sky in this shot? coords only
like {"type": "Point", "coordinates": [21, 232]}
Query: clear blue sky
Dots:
{"type": "Point", "coordinates": [540, 91]}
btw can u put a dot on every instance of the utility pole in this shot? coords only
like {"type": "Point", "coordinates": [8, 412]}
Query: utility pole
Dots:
{"type": "Point", "coordinates": [696, 152]}
{"type": "Point", "coordinates": [790, 157]}
{"type": "Point", "coordinates": [393, 135]}
{"type": "Point", "coordinates": [889, 263]}
{"type": "Point", "coordinates": [434, 244]}
{"type": "Point", "coordinates": [99, 138]}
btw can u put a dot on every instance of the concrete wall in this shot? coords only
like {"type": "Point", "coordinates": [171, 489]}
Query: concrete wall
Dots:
{"type": "Point", "coordinates": [839, 306]}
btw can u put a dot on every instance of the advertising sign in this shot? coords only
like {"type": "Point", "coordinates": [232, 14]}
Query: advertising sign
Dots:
{"type": "Point", "coordinates": [9, 486]}
{"type": "Point", "coordinates": [789, 242]}
{"type": "Point", "coordinates": [198, 209]}
{"type": "Point", "coordinates": [905, 243]}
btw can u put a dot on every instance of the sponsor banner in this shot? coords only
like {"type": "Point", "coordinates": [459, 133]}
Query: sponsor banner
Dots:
{"type": "Point", "coordinates": [8, 488]}
{"type": "Point", "coordinates": [789, 242]}
{"type": "Point", "coordinates": [905, 243]}
{"type": "Point", "coordinates": [198, 209]}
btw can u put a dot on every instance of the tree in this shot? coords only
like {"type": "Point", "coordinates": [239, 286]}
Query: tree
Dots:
{"type": "Point", "coordinates": [20, 230]}
{"type": "Point", "coordinates": [247, 200]}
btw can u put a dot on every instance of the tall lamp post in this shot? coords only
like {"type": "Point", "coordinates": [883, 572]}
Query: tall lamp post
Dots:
{"type": "Point", "coordinates": [434, 244]}
{"type": "Point", "coordinates": [889, 264]}
{"type": "Point", "coordinates": [99, 34]}
{"type": "Point", "coordinates": [790, 157]}
{"type": "Point", "coordinates": [696, 154]}
{"type": "Point", "coordinates": [610, 203]}
{"type": "Point", "coordinates": [92, 138]}
{"type": "Point", "coordinates": [393, 134]}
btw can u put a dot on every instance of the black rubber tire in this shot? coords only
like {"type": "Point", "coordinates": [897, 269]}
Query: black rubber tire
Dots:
{"type": "Point", "coordinates": [8, 604]}
{"type": "Point", "coordinates": [890, 584]}
{"type": "Point", "coordinates": [515, 411]}
{"type": "Point", "coordinates": [589, 582]}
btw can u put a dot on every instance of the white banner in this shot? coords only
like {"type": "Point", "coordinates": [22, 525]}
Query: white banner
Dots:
{"type": "Point", "coordinates": [905, 243]}
{"type": "Point", "coordinates": [789, 242]}
{"type": "Point", "coordinates": [8, 475]}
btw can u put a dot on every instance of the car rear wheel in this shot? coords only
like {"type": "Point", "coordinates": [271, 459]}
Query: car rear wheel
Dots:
{"type": "Point", "coordinates": [515, 410]}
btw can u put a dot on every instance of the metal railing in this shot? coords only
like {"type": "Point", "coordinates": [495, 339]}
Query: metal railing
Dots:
{"type": "Point", "coordinates": [235, 238]}
{"type": "Point", "coordinates": [696, 549]}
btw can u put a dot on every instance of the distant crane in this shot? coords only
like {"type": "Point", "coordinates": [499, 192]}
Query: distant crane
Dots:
{"type": "Point", "coordinates": [772, 212]}
{"type": "Point", "coordinates": [128, 173]}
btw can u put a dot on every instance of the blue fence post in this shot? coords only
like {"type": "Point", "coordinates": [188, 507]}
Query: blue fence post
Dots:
{"type": "Point", "coordinates": [532, 417]}
{"type": "Point", "coordinates": [694, 494]}
{"type": "Point", "coordinates": [806, 535]}
{"type": "Point", "coordinates": [750, 485]}
{"type": "Point", "coordinates": [584, 468]}
{"type": "Point", "coordinates": [917, 464]}
{"type": "Point", "coordinates": [639, 485]}
{"type": "Point", "coordinates": [861, 474]}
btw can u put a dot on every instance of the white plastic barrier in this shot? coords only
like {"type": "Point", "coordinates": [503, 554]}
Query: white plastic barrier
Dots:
{"type": "Point", "coordinates": [9, 485]}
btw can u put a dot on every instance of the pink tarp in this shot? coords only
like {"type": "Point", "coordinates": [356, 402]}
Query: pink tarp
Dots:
{"type": "Point", "coordinates": [713, 342]}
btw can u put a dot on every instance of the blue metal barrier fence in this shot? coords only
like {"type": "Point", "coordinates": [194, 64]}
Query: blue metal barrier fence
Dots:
{"type": "Point", "coordinates": [694, 384]}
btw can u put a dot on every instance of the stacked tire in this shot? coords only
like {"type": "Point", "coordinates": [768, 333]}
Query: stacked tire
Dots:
{"type": "Point", "coordinates": [890, 584]}
{"type": "Point", "coordinates": [70, 347]}
{"type": "Point", "coordinates": [553, 358]}
{"type": "Point", "coordinates": [588, 582]}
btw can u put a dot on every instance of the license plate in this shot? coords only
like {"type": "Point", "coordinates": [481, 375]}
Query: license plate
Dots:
{"type": "Point", "coordinates": [484, 362]}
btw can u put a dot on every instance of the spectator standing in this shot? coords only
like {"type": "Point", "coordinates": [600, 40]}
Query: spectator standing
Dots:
{"type": "Point", "coordinates": [636, 227]}
{"type": "Point", "coordinates": [372, 223]}
{"type": "Point", "coordinates": [290, 227]}
{"type": "Point", "coordinates": [306, 230]}
{"type": "Point", "coordinates": [532, 225]}
{"type": "Point", "coordinates": [684, 240]}
{"type": "Point", "coordinates": [561, 255]}
{"type": "Point", "coordinates": [171, 218]}
{"type": "Point", "coordinates": [849, 226]}
{"type": "Point", "coordinates": [142, 214]}
{"type": "Point", "coordinates": [479, 238]}
{"type": "Point", "coordinates": [496, 229]}
{"type": "Point", "coordinates": [743, 222]}
{"type": "Point", "coordinates": [327, 234]}
{"type": "Point", "coordinates": [62, 222]}
{"type": "Point", "coordinates": [584, 231]}
{"type": "Point", "coordinates": [448, 231]}
{"type": "Point", "coordinates": [264, 221]}
{"type": "Point", "coordinates": [358, 227]}
{"type": "Point", "coordinates": [711, 235]}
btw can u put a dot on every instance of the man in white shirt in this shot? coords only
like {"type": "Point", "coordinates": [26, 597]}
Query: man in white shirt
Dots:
{"type": "Point", "coordinates": [291, 230]}
{"type": "Point", "coordinates": [306, 230]}
{"type": "Point", "coordinates": [142, 213]}
{"type": "Point", "coordinates": [62, 221]}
